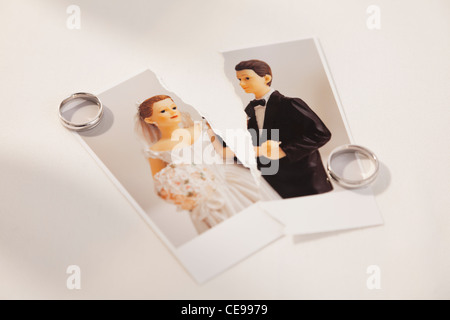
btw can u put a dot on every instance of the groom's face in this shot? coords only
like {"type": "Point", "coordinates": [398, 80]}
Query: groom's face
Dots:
{"type": "Point", "coordinates": [250, 81]}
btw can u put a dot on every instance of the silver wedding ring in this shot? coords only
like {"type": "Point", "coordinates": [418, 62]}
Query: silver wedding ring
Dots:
{"type": "Point", "coordinates": [354, 183]}
{"type": "Point", "coordinates": [86, 125]}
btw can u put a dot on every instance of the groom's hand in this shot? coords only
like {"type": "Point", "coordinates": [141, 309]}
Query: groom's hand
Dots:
{"type": "Point", "coordinates": [271, 149]}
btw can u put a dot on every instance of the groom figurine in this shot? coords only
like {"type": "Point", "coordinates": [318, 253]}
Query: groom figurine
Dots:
{"type": "Point", "coordinates": [284, 130]}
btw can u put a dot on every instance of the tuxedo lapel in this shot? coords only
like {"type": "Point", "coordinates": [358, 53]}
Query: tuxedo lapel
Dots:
{"type": "Point", "coordinates": [250, 111]}
{"type": "Point", "coordinates": [272, 109]}
{"type": "Point", "coordinates": [252, 123]}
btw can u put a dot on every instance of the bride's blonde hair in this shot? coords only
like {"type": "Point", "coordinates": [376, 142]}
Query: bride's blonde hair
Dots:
{"type": "Point", "coordinates": [150, 132]}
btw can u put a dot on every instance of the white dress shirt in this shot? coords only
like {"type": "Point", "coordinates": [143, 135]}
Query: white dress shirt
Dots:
{"type": "Point", "coordinates": [260, 111]}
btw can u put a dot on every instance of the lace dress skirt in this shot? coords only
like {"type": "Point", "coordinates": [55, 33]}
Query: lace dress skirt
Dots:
{"type": "Point", "coordinates": [212, 191]}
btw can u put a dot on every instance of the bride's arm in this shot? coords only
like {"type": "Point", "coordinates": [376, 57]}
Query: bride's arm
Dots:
{"type": "Point", "coordinates": [156, 165]}
{"type": "Point", "coordinates": [226, 152]}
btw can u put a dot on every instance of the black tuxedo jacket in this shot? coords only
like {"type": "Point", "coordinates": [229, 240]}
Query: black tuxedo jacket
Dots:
{"type": "Point", "coordinates": [301, 133]}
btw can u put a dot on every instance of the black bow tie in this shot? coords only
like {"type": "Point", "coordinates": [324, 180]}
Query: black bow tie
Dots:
{"type": "Point", "coordinates": [260, 102]}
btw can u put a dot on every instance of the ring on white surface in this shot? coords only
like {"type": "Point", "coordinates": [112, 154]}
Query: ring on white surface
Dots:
{"type": "Point", "coordinates": [354, 183]}
{"type": "Point", "coordinates": [86, 125]}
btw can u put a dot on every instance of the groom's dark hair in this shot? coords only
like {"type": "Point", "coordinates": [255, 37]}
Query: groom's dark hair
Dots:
{"type": "Point", "coordinates": [261, 68]}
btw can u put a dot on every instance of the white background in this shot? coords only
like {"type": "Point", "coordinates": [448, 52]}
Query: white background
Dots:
{"type": "Point", "coordinates": [58, 208]}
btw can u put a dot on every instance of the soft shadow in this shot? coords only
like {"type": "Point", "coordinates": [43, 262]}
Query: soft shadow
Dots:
{"type": "Point", "coordinates": [383, 181]}
{"type": "Point", "coordinates": [380, 184]}
{"type": "Point", "coordinates": [42, 242]}
{"type": "Point", "coordinates": [69, 112]}
{"type": "Point", "coordinates": [322, 235]}
{"type": "Point", "coordinates": [105, 124]}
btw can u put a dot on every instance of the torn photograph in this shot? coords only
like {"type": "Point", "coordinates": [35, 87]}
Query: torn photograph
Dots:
{"type": "Point", "coordinates": [188, 167]}
{"type": "Point", "coordinates": [290, 107]}
{"type": "Point", "coordinates": [181, 174]}
{"type": "Point", "coordinates": [294, 111]}
{"type": "Point", "coordinates": [167, 161]}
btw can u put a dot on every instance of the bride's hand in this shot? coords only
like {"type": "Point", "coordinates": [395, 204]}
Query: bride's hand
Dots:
{"type": "Point", "coordinates": [184, 202]}
{"type": "Point", "coordinates": [163, 194]}
{"type": "Point", "coordinates": [188, 204]}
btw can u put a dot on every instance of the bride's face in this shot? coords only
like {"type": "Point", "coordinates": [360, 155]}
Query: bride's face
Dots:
{"type": "Point", "coordinates": [165, 113]}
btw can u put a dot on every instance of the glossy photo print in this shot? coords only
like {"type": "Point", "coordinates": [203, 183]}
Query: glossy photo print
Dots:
{"type": "Point", "coordinates": [167, 160]}
{"type": "Point", "coordinates": [210, 207]}
{"type": "Point", "coordinates": [294, 111]}
{"type": "Point", "coordinates": [289, 106]}
{"type": "Point", "coordinates": [287, 125]}
{"type": "Point", "coordinates": [189, 166]}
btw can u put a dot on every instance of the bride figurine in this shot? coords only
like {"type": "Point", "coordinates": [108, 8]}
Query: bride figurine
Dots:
{"type": "Point", "coordinates": [188, 167]}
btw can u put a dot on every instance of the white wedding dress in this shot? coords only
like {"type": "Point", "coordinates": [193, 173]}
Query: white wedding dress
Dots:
{"type": "Point", "coordinates": [225, 189]}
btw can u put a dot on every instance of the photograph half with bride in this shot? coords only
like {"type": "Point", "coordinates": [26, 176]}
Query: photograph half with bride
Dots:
{"type": "Point", "coordinates": [179, 174]}
{"type": "Point", "coordinates": [191, 168]}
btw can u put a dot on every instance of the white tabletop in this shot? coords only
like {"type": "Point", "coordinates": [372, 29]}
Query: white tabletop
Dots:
{"type": "Point", "coordinates": [58, 208]}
